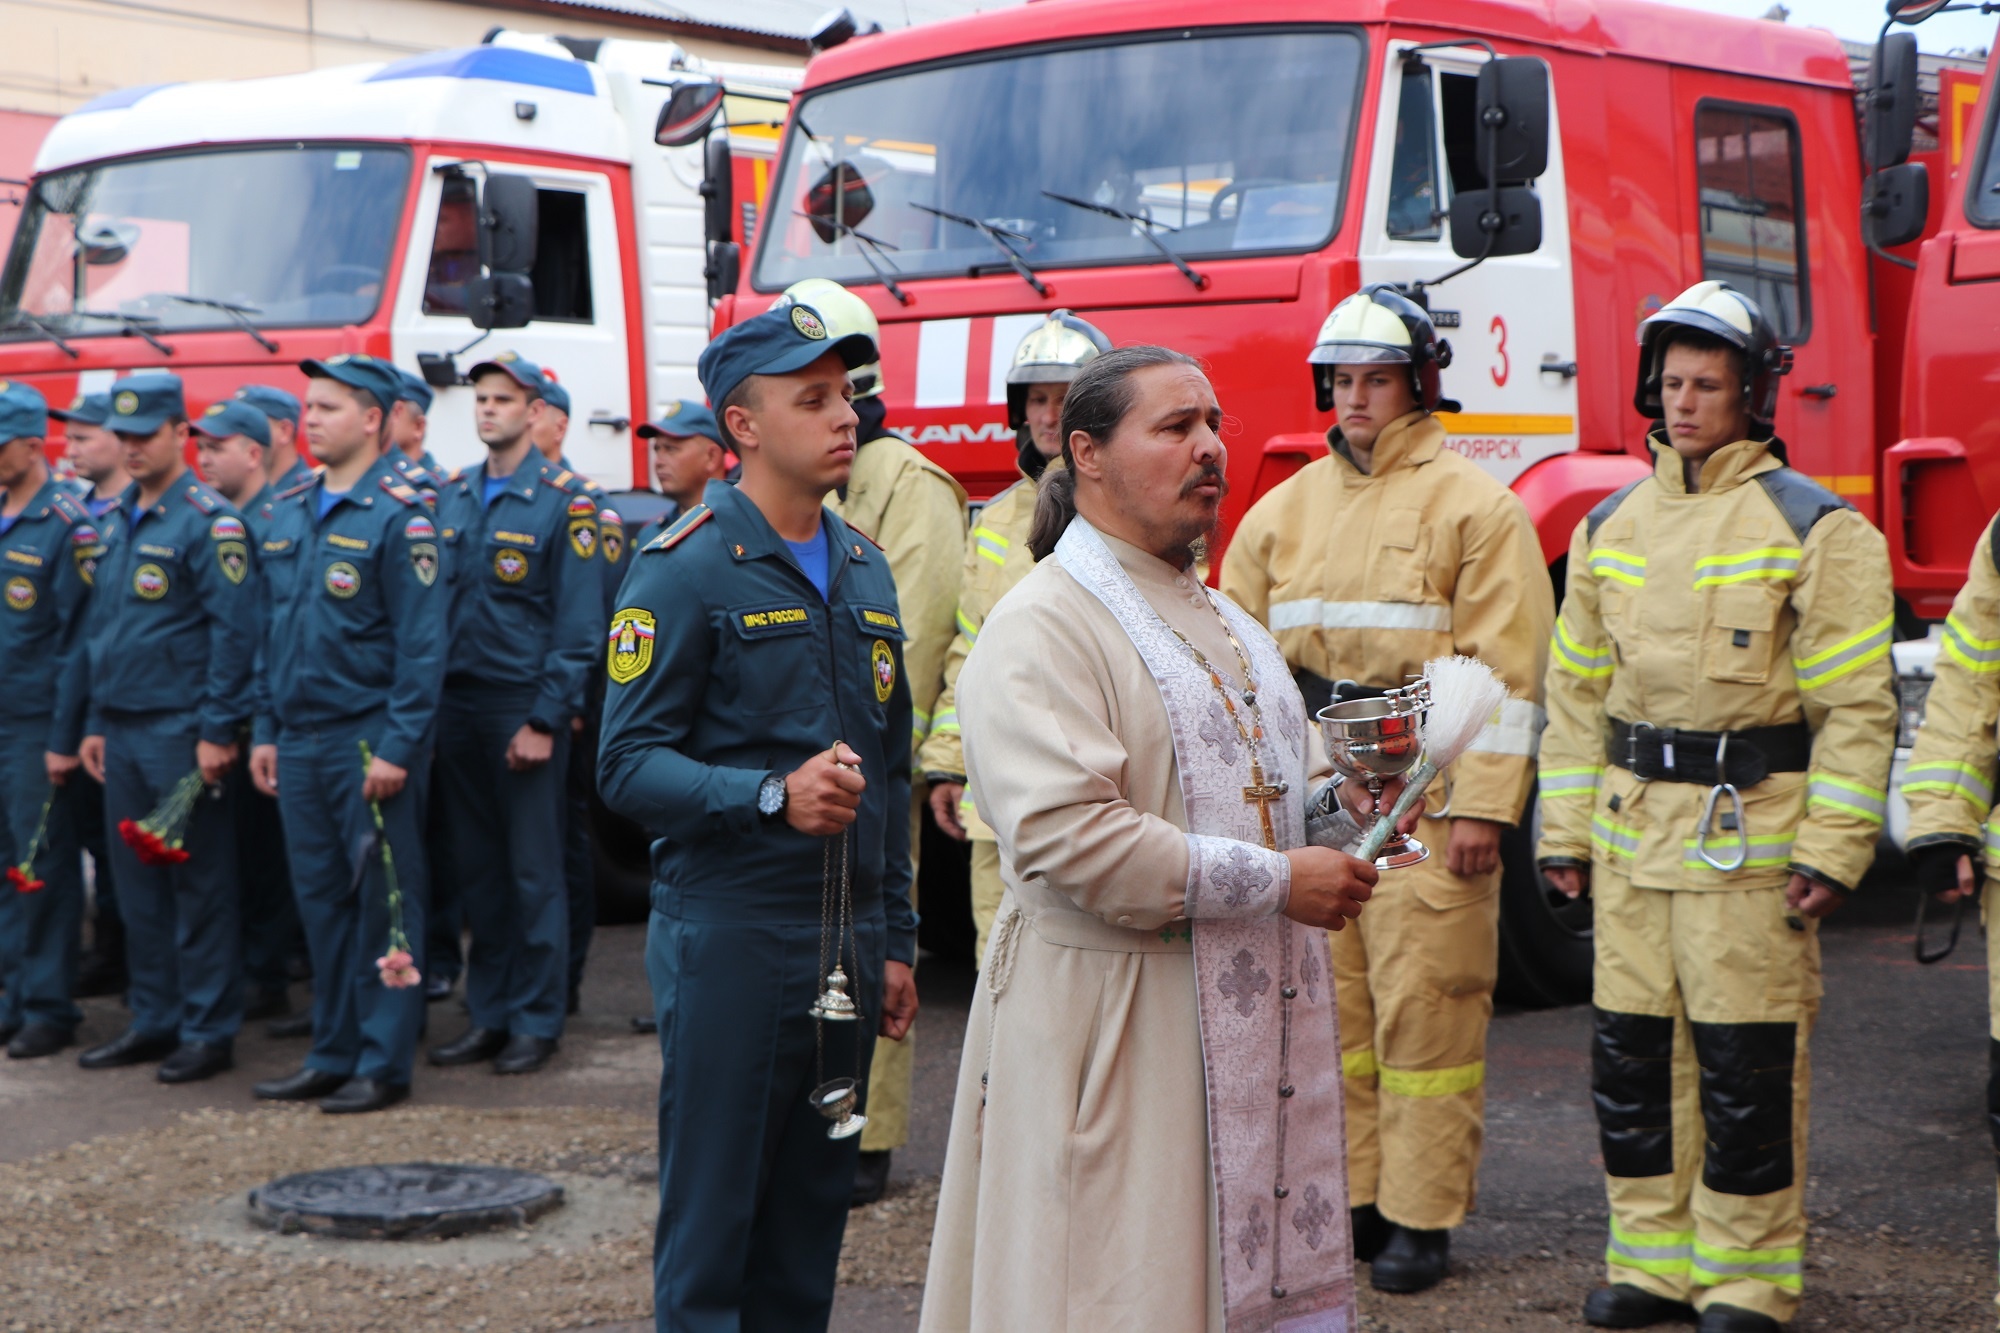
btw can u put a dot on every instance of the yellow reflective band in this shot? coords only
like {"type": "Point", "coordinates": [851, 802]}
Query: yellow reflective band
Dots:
{"type": "Point", "coordinates": [990, 545]}
{"type": "Point", "coordinates": [1951, 778]}
{"type": "Point", "coordinates": [1667, 1253]}
{"type": "Point", "coordinates": [1853, 798]}
{"type": "Point", "coordinates": [1620, 566]}
{"type": "Point", "coordinates": [1569, 781]}
{"type": "Point", "coordinates": [1850, 654]}
{"type": "Point", "coordinates": [966, 627]}
{"type": "Point", "coordinates": [1970, 652]}
{"type": "Point", "coordinates": [1614, 838]}
{"type": "Point", "coordinates": [1766, 850]}
{"type": "Point", "coordinates": [1783, 1267]}
{"type": "Point", "coordinates": [945, 721]}
{"type": "Point", "coordinates": [1768, 562]}
{"type": "Point", "coordinates": [1434, 1082]}
{"type": "Point", "coordinates": [1573, 657]}
{"type": "Point", "coordinates": [1358, 1064]}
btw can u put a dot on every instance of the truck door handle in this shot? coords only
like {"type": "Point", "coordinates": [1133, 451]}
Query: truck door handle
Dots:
{"type": "Point", "coordinates": [1820, 391]}
{"type": "Point", "coordinates": [1551, 366]}
{"type": "Point", "coordinates": [606, 419]}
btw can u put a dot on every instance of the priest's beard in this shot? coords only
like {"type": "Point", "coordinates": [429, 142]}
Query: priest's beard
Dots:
{"type": "Point", "coordinates": [1185, 529]}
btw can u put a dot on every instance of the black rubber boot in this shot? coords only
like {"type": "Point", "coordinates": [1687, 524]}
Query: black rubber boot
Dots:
{"type": "Point", "coordinates": [1736, 1319]}
{"type": "Point", "coordinates": [1411, 1261]}
{"type": "Point", "coordinates": [1622, 1305]}
{"type": "Point", "coordinates": [1371, 1232]}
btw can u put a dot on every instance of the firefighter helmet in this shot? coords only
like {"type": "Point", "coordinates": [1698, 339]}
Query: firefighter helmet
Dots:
{"type": "Point", "coordinates": [844, 313]}
{"type": "Point", "coordinates": [1723, 313]}
{"type": "Point", "coordinates": [1379, 325]}
{"type": "Point", "coordinates": [1053, 352]}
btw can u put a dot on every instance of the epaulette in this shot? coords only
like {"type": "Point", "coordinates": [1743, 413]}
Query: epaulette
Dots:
{"type": "Point", "coordinates": [400, 491]}
{"type": "Point", "coordinates": [1803, 501]}
{"type": "Point", "coordinates": [202, 500]}
{"type": "Point", "coordinates": [862, 535]}
{"type": "Point", "coordinates": [456, 476]}
{"type": "Point", "coordinates": [562, 479]}
{"type": "Point", "coordinates": [66, 505]}
{"type": "Point", "coordinates": [1608, 506]}
{"type": "Point", "coordinates": [682, 526]}
{"type": "Point", "coordinates": [299, 489]}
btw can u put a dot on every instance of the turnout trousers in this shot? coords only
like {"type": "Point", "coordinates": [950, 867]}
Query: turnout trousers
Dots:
{"type": "Point", "coordinates": [507, 848]}
{"type": "Point", "coordinates": [1705, 1001]}
{"type": "Point", "coordinates": [1414, 979]}
{"type": "Point", "coordinates": [987, 890]}
{"type": "Point", "coordinates": [182, 931]}
{"type": "Point", "coordinates": [892, 1074]}
{"type": "Point", "coordinates": [753, 1194]}
{"type": "Point", "coordinates": [38, 930]}
{"type": "Point", "coordinates": [361, 1028]}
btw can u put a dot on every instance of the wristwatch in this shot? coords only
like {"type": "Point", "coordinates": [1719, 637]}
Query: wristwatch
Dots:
{"type": "Point", "coordinates": [771, 796]}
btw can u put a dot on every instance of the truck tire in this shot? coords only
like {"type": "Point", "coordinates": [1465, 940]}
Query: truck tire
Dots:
{"type": "Point", "coordinates": [1545, 939]}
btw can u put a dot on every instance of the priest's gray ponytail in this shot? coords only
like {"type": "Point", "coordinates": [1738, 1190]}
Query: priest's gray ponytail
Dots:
{"type": "Point", "coordinates": [1097, 403]}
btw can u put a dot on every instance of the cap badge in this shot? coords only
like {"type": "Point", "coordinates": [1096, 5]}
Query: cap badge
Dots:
{"type": "Point", "coordinates": [214, 410]}
{"type": "Point", "coordinates": [340, 359]}
{"type": "Point", "coordinates": [673, 409]}
{"type": "Point", "coordinates": [508, 356]}
{"type": "Point", "coordinates": [76, 403]}
{"type": "Point", "coordinates": [127, 403]}
{"type": "Point", "coordinates": [807, 322]}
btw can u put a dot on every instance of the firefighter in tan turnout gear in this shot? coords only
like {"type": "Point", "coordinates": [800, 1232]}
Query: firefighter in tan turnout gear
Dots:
{"type": "Point", "coordinates": [1953, 843]}
{"type": "Point", "coordinates": [1455, 568]}
{"type": "Point", "coordinates": [1715, 772]}
{"type": "Point", "coordinates": [997, 558]}
{"type": "Point", "coordinates": [915, 511]}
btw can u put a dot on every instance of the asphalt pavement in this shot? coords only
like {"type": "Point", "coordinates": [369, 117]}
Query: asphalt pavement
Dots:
{"type": "Point", "coordinates": [1900, 1189]}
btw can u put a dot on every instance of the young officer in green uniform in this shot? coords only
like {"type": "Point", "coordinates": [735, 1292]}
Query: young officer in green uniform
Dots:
{"type": "Point", "coordinates": [353, 656]}
{"type": "Point", "coordinates": [758, 717]}
{"type": "Point", "coordinates": [171, 643]}
{"type": "Point", "coordinates": [527, 610]}
{"type": "Point", "coordinates": [48, 550]}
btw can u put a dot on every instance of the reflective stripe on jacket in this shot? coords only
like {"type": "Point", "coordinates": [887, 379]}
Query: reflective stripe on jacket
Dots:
{"type": "Point", "coordinates": [1949, 781]}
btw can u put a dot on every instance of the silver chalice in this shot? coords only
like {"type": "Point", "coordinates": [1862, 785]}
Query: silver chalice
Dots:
{"type": "Point", "coordinates": [1373, 740]}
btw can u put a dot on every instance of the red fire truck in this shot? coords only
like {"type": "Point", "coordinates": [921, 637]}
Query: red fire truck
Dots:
{"type": "Point", "coordinates": [1544, 174]}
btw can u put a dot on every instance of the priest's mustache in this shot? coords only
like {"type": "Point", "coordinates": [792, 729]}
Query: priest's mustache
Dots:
{"type": "Point", "coordinates": [1208, 476]}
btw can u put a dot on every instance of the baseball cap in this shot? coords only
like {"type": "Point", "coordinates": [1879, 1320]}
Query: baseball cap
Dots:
{"type": "Point", "coordinates": [142, 403]}
{"type": "Point", "coordinates": [23, 411]}
{"type": "Point", "coordinates": [86, 409]}
{"type": "Point", "coordinates": [416, 390]}
{"type": "Point", "coordinates": [524, 373]}
{"type": "Point", "coordinates": [358, 371]}
{"type": "Point", "coordinates": [776, 342]}
{"type": "Point", "coordinates": [233, 416]}
{"type": "Point", "coordinates": [683, 417]}
{"type": "Point", "coordinates": [556, 396]}
{"type": "Point", "coordinates": [273, 403]}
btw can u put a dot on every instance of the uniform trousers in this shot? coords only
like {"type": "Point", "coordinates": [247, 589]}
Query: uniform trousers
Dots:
{"type": "Point", "coordinates": [507, 845]}
{"type": "Point", "coordinates": [444, 929]}
{"type": "Point", "coordinates": [38, 931]}
{"type": "Point", "coordinates": [1415, 980]}
{"type": "Point", "coordinates": [579, 875]}
{"type": "Point", "coordinates": [182, 924]}
{"type": "Point", "coordinates": [753, 1194]}
{"type": "Point", "coordinates": [270, 911]}
{"type": "Point", "coordinates": [1705, 1001]}
{"type": "Point", "coordinates": [361, 1028]}
{"type": "Point", "coordinates": [107, 931]}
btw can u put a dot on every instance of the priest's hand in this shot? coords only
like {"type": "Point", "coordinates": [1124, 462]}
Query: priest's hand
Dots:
{"type": "Point", "coordinates": [899, 1000]}
{"type": "Point", "coordinates": [1328, 887]}
{"type": "Point", "coordinates": [1354, 795]}
{"type": "Point", "coordinates": [823, 795]}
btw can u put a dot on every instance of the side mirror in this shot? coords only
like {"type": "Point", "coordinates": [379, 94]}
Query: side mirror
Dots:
{"type": "Point", "coordinates": [1892, 100]}
{"type": "Point", "coordinates": [106, 243]}
{"type": "Point", "coordinates": [724, 268]}
{"type": "Point", "coordinates": [1896, 204]}
{"type": "Point", "coordinates": [508, 212]}
{"type": "Point", "coordinates": [1513, 99]}
{"type": "Point", "coordinates": [500, 301]}
{"type": "Point", "coordinates": [1913, 12]}
{"type": "Point", "coordinates": [837, 27]}
{"type": "Point", "coordinates": [439, 370]}
{"type": "Point", "coordinates": [718, 190]}
{"type": "Point", "coordinates": [689, 113]}
{"type": "Point", "coordinates": [839, 201]}
{"type": "Point", "coordinates": [1515, 226]}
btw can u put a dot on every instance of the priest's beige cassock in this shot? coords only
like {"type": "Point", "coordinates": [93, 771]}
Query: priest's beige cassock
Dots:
{"type": "Point", "coordinates": [1148, 1129]}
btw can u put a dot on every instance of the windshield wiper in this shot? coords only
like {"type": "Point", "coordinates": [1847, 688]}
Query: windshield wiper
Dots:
{"type": "Point", "coordinates": [238, 314]}
{"type": "Point", "coordinates": [1199, 280]}
{"type": "Point", "coordinates": [134, 325]}
{"type": "Point", "coordinates": [22, 317]}
{"type": "Point", "coordinates": [998, 236]}
{"type": "Point", "coordinates": [878, 246]}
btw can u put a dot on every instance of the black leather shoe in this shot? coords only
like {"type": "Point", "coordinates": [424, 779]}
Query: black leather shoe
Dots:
{"type": "Point", "coordinates": [37, 1040]}
{"type": "Point", "coordinates": [871, 1178]}
{"type": "Point", "coordinates": [438, 988]}
{"type": "Point", "coordinates": [1371, 1232]}
{"type": "Point", "coordinates": [524, 1054]}
{"type": "Point", "coordinates": [7, 1030]}
{"type": "Point", "coordinates": [98, 974]}
{"type": "Point", "coordinates": [197, 1060]}
{"type": "Point", "coordinates": [292, 1025]}
{"type": "Point", "coordinates": [303, 1086]}
{"type": "Point", "coordinates": [1622, 1305]}
{"type": "Point", "coordinates": [646, 1026]}
{"type": "Point", "coordinates": [360, 1095]}
{"type": "Point", "coordinates": [477, 1044]}
{"type": "Point", "coordinates": [1411, 1261]}
{"type": "Point", "coordinates": [131, 1047]}
{"type": "Point", "coordinates": [266, 1002]}
{"type": "Point", "coordinates": [1736, 1319]}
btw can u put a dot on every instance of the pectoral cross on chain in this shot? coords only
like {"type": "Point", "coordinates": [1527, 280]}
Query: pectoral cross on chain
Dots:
{"type": "Point", "coordinates": [1260, 794]}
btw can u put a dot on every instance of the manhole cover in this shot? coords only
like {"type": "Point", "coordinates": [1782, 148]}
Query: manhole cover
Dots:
{"type": "Point", "coordinates": [404, 1201]}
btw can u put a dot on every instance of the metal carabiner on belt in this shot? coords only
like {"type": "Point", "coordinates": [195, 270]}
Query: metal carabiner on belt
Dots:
{"type": "Point", "coordinates": [1722, 784]}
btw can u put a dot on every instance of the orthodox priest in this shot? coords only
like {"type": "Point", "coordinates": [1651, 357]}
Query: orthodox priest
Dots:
{"type": "Point", "coordinates": [1148, 1116]}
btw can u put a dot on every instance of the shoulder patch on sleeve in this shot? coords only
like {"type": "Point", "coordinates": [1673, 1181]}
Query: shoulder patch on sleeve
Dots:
{"type": "Point", "coordinates": [420, 529]}
{"type": "Point", "coordinates": [683, 525]}
{"type": "Point", "coordinates": [227, 527]}
{"type": "Point", "coordinates": [1608, 506]}
{"type": "Point", "coordinates": [202, 500]}
{"type": "Point", "coordinates": [582, 506]}
{"type": "Point", "coordinates": [1802, 501]}
{"type": "Point", "coordinates": [82, 534]}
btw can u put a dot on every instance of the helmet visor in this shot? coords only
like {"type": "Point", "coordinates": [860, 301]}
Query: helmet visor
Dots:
{"type": "Point", "coordinates": [1357, 354]}
{"type": "Point", "coordinates": [1043, 372]}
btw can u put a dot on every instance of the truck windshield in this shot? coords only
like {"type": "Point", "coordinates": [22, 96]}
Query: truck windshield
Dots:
{"type": "Point", "coordinates": [284, 235]}
{"type": "Point", "coordinates": [1229, 143]}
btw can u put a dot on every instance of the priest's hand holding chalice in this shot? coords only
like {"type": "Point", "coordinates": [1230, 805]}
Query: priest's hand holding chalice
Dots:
{"type": "Point", "coordinates": [1329, 886]}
